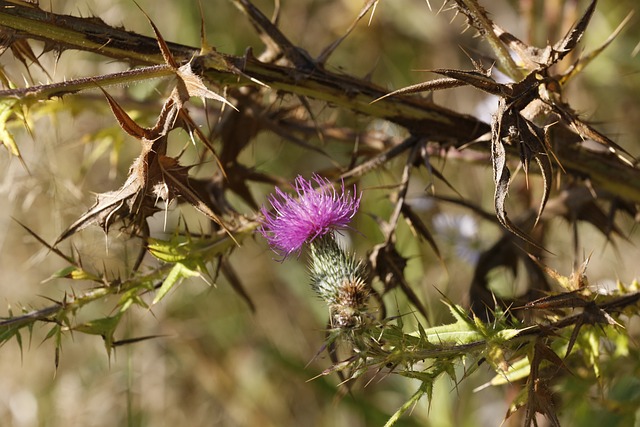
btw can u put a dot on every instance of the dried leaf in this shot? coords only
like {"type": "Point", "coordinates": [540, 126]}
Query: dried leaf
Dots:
{"type": "Point", "coordinates": [178, 183]}
{"type": "Point", "coordinates": [274, 39]}
{"type": "Point", "coordinates": [194, 86]}
{"type": "Point", "coordinates": [505, 118]}
{"type": "Point", "coordinates": [385, 261]}
{"type": "Point", "coordinates": [587, 58]}
{"type": "Point", "coordinates": [479, 80]}
{"type": "Point", "coordinates": [587, 132]}
{"type": "Point", "coordinates": [124, 120]}
{"type": "Point", "coordinates": [431, 85]}
{"type": "Point", "coordinates": [236, 283]}
{"type": "Point", "coordinates": [501, 174]}
{"type": "Point", "coordinates": [478, 18]}
{"type": "Point", "coordinates": [189, 84]}
{"type": "Point", "coordinates": [164, 49]}
{"type": "Point", "coordinates": [416, 224]}
{"type": "Point", "coordinates": [539, 395]}
{"type": "Point", "coordinates": [110, 207]}
{"type": "Point", "coordinates": [569, 41]}
{"type": "Point", "coordinates": [533, 138]}
{"type": "Point", "coordinates": [531, 57]}
{"type": "Point", "coordinates": [21, 50]}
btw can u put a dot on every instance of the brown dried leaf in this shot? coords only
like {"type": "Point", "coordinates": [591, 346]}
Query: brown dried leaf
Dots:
{"type": "Point", "coordinates": [569, 42]}
{"type": "Point", "coordinates": [386, 263]}
{"type": "Point", "coordinates": [276, 42]}
{"type": "Point", "coordinates": [177, 183]}
{"type": "Point", "coordinates": [113, 206]}
{"type": "Point", "coordinates": [587, 132]}
{"type": "Point", "coordinates": [22, 51]}
{"type": "Point", "coordinates": [418, 226]}
{"type": "Point", "coordinates": [539, 395]}
{"type": "Point", "coordinates": [505, 126]}
{"type": "Point", "coordinates": [570, 299]}
{"type": "Point", "coordinates": [124, 120]}
{"type": "Point", "coordinates": [595, 215]}
{"type": "Point", "coordinates": [164, 49]}
{"type": "Point", "coordinates": [531, 57]}
{"type": "Point", "coordinates": [501, 174]}
{"type": "Point", "coordinates": [194, 86]}
{"type": "Point", "coordinates": [587, 58]}
{"type": "Point", "coordinates": [189, 84]}
{"type": "Point", "coordinates": [192, 128]}
{"type": "Point", "coordinates": [477, 79]}
{"type": "Point", "coordinates": [231, 276]}
{"type": "Point", "coordinates": [431, 85]}
{"type": "Point", "coordinates": [533, 139]}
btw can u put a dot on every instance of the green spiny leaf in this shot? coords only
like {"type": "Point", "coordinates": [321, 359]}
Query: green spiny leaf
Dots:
{"type": "Point", "coordinates": [7, 110]}
{"type": "Point", "coordinates": [73, 272]}
{"type": "Point", "coordinates": [591, 349]}
{"type": "Point", "coordinates": [517, 370]}
{"type": "Point", "coordinates": [180, 248]}
{"type": "Point", "coordinates": [424, 389]}
{"type": "Point", "coordinates": [105, 327]}
{"type": "Point", "coordinates": [132, 296]}
{"type": "Point", "coordinates": [102, 326]}
{"type": "Point", "coordinates": [178, 272]}
{"type": "Point", "coordinates": [174, 250]}
{"type": "Point", "coordinates": [52, 332]}
{"type": "Point", "coordinates": [7, 333]}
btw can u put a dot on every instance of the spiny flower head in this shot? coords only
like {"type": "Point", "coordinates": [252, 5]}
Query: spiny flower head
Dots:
{"type": "Point", "coordinates": [339, 279]}
{"type": "Point", "coordinates": [314, 213]}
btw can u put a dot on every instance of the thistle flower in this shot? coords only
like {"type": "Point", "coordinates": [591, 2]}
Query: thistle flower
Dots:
{"type": "Point", "coordinates": [316, 212]}
{"type": "Point", "coordinates": [337, 277]}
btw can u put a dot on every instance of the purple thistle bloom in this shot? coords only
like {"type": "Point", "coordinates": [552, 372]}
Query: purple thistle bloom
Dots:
{"type": "Point", "coordinates": [315, 213]}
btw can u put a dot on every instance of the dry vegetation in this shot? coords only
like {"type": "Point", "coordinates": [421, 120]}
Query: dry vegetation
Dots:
{"type": "Point", "coordinates": [496, 153]}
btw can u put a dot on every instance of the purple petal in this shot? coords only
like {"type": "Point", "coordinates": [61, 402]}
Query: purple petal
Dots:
{"type": "Point", "coordinates": [314, 213]}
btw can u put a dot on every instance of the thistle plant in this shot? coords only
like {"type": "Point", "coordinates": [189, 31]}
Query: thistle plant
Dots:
{"type": "Point", "coordinates": [510, 322]}
{"type": "Point", "coordinates": [312, 219]}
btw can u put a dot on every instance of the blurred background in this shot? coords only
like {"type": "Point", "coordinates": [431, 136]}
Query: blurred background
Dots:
{"type": "Point", "coordinates": [215, 362]}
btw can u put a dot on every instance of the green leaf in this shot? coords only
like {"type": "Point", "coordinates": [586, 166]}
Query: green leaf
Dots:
{"type": "Point", "coordinates": [180, 248]}
{"type": "Point", "coordinates": [102, 326]}
{"type": "Point", "coordinates": [409, 404]}
{"type": "Point", "coordinates": [6, 138]}
{"type": "Point", "coordinates": [508, 334]}
{"type": "Point", "coordinates": [55, 330]}
{"type": "Point", "coordinates": [7, 333]}
{"type": "Point", "coordinates": [464, 331]}
{"type": "Point", "coordinates": [132, 296]}
{"type": "Point", "coordinates": [517, 370]}
{"type": "Point", "coordinates": [105, 327]}
{"type": "Point", "coordinates": [177, 273]}
{"type": "Point", "coordinates": [73, 272]}
{"type": "Point", "coordinates": [174, 250]}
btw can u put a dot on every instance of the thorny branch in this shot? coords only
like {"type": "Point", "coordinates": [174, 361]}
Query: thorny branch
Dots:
{"type": "Point", "coordinates": [575, 178]}
{"type": "Point", "coordinates": [420, 117]}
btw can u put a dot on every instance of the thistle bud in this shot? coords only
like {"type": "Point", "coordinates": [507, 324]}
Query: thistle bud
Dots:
{"type": "Point", "coordinates": [338, 278]}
